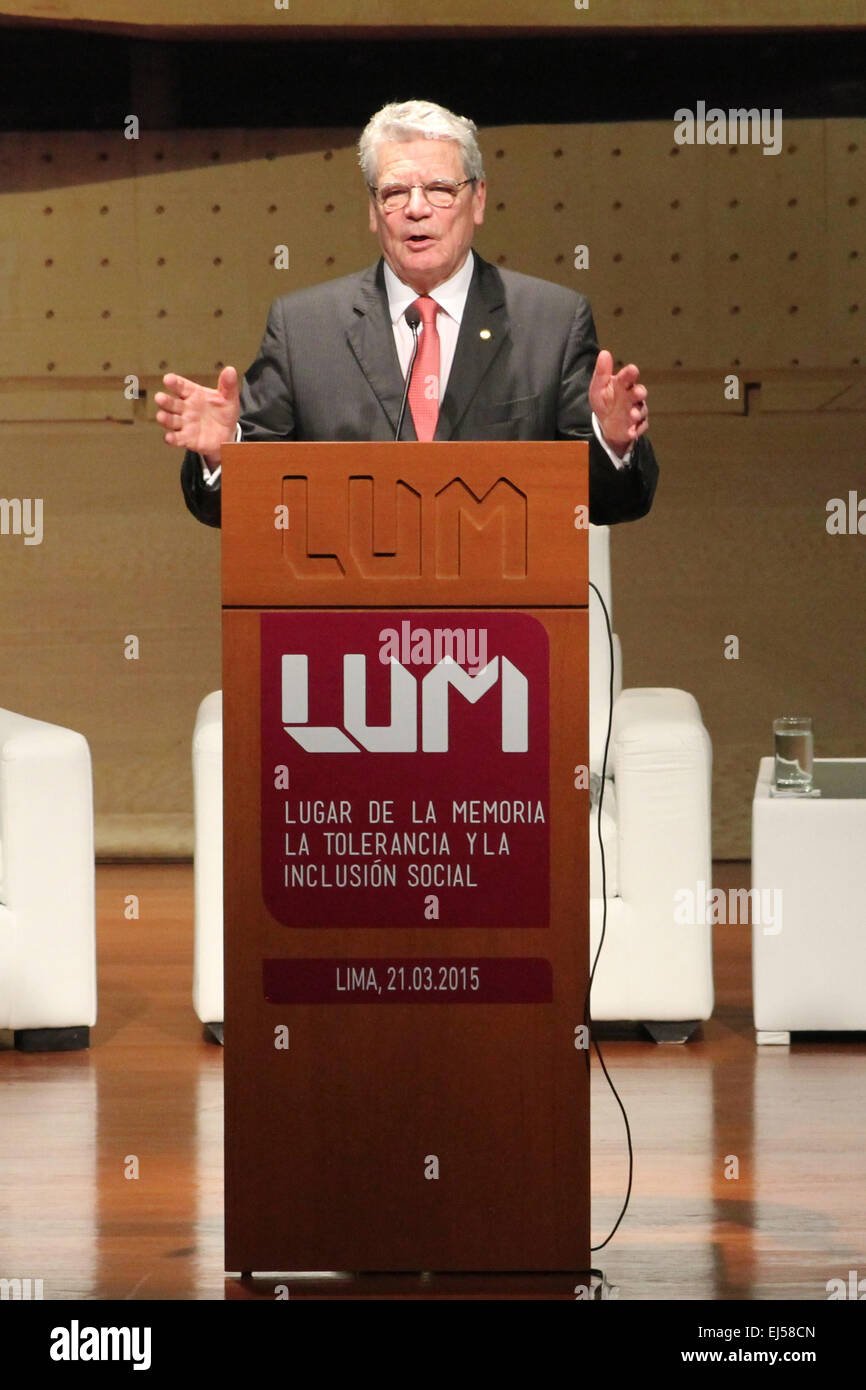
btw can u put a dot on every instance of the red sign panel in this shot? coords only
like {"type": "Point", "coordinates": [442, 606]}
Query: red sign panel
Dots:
{"type": "Point", "coordinates": [405, 768]}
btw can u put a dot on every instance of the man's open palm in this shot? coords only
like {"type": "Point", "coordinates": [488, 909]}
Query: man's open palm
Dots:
{"type": "Point", "coordinates": [197, 417]}
{"type": "Point", "coordinates": [619, 402]}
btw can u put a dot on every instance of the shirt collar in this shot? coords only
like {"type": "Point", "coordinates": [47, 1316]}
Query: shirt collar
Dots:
{"type": "Point", "coordinates": [450, 295]}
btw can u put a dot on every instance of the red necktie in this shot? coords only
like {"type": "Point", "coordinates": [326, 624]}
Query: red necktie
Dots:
{"type": "Point", "coordinates": [424, 387]}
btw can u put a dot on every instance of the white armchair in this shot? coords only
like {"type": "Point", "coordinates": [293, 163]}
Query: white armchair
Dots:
{"type": "Point", "coordinates": [656, 828]}
{"type": "Point", "coordinates": [653, 968]}
{"type": "Point", "coordinates": [47, 888]}
{"type": "Point", "coordinates": [207, 766]}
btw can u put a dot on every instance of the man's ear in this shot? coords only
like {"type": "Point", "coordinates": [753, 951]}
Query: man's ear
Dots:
{"type": "Point", "coordinates": [374, 226]}
{"type": "Point", "coordinates": [480, 201]}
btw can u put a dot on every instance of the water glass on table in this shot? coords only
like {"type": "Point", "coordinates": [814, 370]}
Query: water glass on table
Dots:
{"type": "Point", "coordinates": [794, 749]}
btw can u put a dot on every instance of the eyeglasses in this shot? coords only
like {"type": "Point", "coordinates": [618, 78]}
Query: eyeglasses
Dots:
{"type": "Point", "coordinates": [440, 194]}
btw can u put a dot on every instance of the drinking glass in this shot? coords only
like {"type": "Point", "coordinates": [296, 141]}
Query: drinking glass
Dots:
{"type": "Point", "coordinates": [794, 746]}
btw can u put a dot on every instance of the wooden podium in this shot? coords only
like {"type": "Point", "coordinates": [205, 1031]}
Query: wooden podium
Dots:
{"type": "Point", "coordinates": [406, 856]}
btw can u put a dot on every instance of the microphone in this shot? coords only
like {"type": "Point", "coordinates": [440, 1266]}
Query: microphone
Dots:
{"type": "Point", "coordinates": [413, 318]}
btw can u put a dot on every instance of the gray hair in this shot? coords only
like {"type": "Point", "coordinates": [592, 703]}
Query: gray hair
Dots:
{"type": "Point", "coordinates": [417, 120]}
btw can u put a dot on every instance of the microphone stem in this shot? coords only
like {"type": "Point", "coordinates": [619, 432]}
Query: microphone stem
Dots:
{"type": "Point", "coordinates": [414, 328]}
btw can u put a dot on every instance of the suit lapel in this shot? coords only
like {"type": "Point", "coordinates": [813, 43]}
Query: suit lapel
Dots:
{"type": "Point", "coordinates": [371, 338]}
{"type": "Point", "coordinates": [483, 334]}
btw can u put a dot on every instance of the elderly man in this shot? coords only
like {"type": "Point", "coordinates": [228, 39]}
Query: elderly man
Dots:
{"type": "Point", "coordinates": [500, 355]}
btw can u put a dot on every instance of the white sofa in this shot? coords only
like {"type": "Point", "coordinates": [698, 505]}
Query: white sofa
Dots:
{"type": "Point", "coordinates": [656, 828]}
{"type": "Point", "coordinates": [47, 888]}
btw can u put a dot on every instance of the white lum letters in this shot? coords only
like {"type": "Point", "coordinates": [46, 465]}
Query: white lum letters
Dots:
{"type": "Point", "coordinates": [401, 735]}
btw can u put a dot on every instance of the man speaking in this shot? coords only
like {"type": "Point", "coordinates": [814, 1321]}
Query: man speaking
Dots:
{"type": "Point", "coordinates": [493, 354]}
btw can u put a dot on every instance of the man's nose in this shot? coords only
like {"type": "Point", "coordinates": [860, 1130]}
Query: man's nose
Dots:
{"type": "Point", "coordinates": [418, 203]}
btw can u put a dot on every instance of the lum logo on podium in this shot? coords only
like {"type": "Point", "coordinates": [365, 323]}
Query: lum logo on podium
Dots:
{"type": "Point", "coordinates": [378, 531]}
{"type": "Point", "coordinates": [401, 733]}
{"type": "Point", "coordinates": [447, 714]}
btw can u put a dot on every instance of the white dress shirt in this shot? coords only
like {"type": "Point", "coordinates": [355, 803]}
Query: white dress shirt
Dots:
{"type": "Point", "coordinates": [451, 298]}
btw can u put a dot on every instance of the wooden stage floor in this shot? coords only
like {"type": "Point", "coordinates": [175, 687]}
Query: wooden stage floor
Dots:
{"type": "Point", "coordinates": [151, 1090]}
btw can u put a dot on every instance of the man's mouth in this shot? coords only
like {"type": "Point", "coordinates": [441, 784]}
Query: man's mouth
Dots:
{"type": "Point", "coordinates": [418, 239]}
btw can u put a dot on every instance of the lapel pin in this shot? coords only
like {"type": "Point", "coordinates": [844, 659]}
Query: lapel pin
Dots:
{"type": "Point", "coordinates": [485, 334]}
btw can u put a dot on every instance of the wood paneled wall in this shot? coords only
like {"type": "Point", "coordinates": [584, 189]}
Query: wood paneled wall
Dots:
{"type": "Point", "coordinates": [137, 255]}
{"type": "Point", "coordinates": [126, 258]}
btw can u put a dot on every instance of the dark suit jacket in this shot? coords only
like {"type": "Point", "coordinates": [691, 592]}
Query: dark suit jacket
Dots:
{"type": "Point", "coordinates": [327, 369]}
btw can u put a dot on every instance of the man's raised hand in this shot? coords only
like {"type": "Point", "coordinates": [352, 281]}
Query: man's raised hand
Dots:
{"type": "Point", "coordinates": [200, 418]}
{"type": "Point", "coordinates": [619, 403]}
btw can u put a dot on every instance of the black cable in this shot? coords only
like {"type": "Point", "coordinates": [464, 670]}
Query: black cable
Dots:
{"type": "Point", "coordinates": [587, 1016]}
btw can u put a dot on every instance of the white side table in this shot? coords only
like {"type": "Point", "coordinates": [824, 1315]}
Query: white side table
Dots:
{"type": "Point", "coordinates": [809, 970]}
